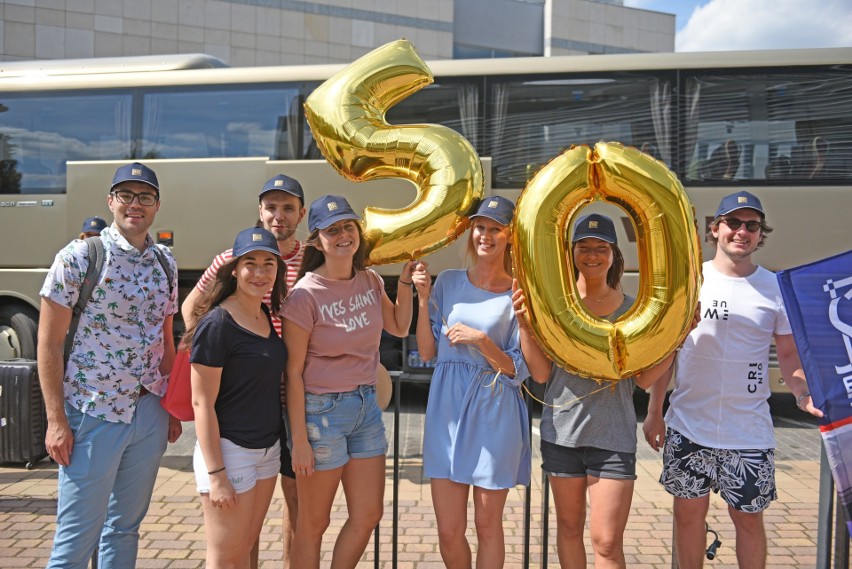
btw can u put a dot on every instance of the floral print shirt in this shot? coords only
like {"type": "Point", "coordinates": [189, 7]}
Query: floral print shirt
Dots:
{"type": "Point", "coordinates": [119, 342]}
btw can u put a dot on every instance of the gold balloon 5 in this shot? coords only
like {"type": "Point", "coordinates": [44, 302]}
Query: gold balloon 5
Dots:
{"type": "Point", "coordinates": [669, 260]}
{"type": "Point", "coordinates": [347, 117]}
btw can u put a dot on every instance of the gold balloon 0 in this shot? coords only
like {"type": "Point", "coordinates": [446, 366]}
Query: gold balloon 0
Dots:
{"type": "Point", "coordinates": [669, 260]}
{"type": "Point", "coordinates": [347, 117]}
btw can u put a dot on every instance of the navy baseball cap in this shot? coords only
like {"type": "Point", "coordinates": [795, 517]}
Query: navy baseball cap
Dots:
{"type": "Point", "coordinates": [135, 172]}
{"type": "Point", "coordinates": [93, 224]}
{"type": "Point", "coordinates": [498, 208]}
{"type": "Point", "coordinates": [255, 239]}
{"type": "Point", "coordinates": [282, 183]}
{"type": "Point", "coordinates": [737, 201]}
{"type": "Point", "coordinates": [595, 225]}
{"type": "Point", "coordinates": [327, 210]}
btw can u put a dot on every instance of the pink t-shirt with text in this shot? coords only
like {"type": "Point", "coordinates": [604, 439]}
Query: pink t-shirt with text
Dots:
{"type": "Point", "coordinates": [344, 319]}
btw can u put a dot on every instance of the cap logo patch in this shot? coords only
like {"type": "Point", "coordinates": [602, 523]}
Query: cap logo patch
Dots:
{"type": "Point", "coordinates": [93, 223]}
{"type": "Point", "coordinates": [493, 203]}
{"type": "Point", "coordinates": [256, 237]}
{"type": "Point", "coordinates": [742, 199]}
{"type": "Point", "coordinates": [136, 172]}
{"type": "Point", "coordinates": [278, 183]}
{"type": "Point", "coordinates": [593, 225]}
{"type": "Point", "coordinates": [332, 206]}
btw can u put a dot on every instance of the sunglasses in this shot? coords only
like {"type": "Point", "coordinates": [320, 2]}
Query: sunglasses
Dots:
{"type": "Point", "coordinates": [734, 224]}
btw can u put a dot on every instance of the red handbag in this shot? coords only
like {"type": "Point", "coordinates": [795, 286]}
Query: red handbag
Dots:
{"type": "Point", "coordinates": [178, 398]}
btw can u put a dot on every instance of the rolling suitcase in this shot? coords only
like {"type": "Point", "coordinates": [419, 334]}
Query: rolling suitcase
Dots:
{"type": "Point", "coordinates": [23, 420]}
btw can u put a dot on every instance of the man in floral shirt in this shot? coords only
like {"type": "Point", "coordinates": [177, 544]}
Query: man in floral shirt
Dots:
{"type": "Point", "coordinates": [106, 428]}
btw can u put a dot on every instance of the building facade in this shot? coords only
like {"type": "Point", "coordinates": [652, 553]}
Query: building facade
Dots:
{"type": "Point", "coordinates": [285, 32]}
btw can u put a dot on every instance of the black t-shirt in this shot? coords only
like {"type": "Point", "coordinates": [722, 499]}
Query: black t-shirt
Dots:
{"type": "Point", "coordinates": [248, 405]}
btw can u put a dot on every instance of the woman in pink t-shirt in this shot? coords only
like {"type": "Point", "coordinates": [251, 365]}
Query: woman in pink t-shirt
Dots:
{"type": "Point", "coordinates": [333, 321]}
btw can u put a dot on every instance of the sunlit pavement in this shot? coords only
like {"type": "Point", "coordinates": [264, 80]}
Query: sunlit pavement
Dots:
{"type": "Point", "coordinates": [173, 532]}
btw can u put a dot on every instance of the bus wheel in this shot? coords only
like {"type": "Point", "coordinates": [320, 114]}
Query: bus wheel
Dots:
{"type": "Point", "coordinates": [17, 332]}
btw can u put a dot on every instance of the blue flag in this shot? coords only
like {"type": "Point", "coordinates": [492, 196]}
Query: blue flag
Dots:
{"type": "Point", "coordinates": [818, 298]}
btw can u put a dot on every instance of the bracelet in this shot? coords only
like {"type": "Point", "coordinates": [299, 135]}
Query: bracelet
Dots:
{"type": "Point", "coordinates": [409, 283]}
{"type": "Point", "coordinates": [217, 471]}
{"type": "Point", "coordinates": [801, 397]}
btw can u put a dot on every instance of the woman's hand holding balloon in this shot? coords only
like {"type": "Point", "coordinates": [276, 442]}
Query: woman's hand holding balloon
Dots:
{"type": "Point", "coordinates": [537, 362]}
{"type": "Point", "coordinates": [518, 303]}
{"type": "Point", "coordinates": [422, 280]}
{"type": "Point", "coordinates": [407, 272]}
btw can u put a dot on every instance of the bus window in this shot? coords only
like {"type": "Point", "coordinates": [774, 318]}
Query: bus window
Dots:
{"type": "Point", "coordinates": [451, 104]}
{"type": "Point", "coordinates": [223, 123]}
{"type": "Point", "coordinates": [531, 121]}
{"type": "Point", "coordinates": [786, 125]}
{"type": "Point", "coordinates": [39, 133]}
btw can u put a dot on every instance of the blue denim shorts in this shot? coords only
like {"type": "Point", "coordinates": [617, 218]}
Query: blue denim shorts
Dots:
{"type": "Point", "coordinates": [344, 425]}
{"type": "Point", "coordinates": [569, 462]}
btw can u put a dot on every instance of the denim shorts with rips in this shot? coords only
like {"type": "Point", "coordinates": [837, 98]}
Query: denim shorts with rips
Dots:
{"type": "Point", "coordinates": [344, 425]}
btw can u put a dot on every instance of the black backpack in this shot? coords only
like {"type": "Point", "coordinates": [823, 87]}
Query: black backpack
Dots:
{"type": "Point", "coordinates": [97, 257]}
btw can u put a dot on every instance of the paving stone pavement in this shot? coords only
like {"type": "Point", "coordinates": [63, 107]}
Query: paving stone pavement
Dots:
{"type": "Point", "coordinates": [172, 535]}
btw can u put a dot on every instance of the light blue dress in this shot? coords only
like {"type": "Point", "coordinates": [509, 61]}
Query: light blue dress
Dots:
{"type": "Point", "coordinates": [477, 430]}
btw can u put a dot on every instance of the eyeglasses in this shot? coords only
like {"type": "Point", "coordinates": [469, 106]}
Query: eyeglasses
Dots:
{"type": "Point", "coordinates": [734, 223]}
{"type": "Point", "coordinates": [126, 197]}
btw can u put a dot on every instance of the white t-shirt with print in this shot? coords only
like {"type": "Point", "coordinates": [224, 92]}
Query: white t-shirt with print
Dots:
{"type": "Point", "coordinates": [721, 393]}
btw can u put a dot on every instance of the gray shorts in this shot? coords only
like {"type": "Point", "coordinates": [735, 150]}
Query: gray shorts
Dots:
{"type": "Point", "coordinates": [745, 479]}
{"type": "Point", "coordinates": [579, 462]}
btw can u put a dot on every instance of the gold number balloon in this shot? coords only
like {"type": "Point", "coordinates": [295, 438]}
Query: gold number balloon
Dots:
{"type": "Point", "coordinates": [347, 117]}
{"type": "Point", "coordinates": [669, 260]}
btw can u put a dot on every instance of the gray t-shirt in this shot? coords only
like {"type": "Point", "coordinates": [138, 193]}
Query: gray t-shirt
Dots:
{"type": "Point", "coordinates": [605, 420]}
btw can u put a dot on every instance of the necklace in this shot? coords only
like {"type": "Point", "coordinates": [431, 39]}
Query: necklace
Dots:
{"type": "Point", "coordinates": [601, 299]}
{"type": "Point", "coordinates": [234, 307]}
{"type": "Point", "coordinates": [497, 284]}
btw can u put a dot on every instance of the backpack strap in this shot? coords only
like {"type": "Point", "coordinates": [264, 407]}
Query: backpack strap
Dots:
{"type": "Point", "coordinates": [97, 258]}
{"type": "Point", "coordinates": [166, 268]}
{"type": "Point", "coordinates": [90, 281]}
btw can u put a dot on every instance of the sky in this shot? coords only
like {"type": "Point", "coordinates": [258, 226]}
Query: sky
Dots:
{"type": "Point", "coordinates": [724, 25]}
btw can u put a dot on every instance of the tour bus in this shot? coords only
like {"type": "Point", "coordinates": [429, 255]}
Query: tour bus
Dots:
{"type": "Point", "coordinates": [775, 123]}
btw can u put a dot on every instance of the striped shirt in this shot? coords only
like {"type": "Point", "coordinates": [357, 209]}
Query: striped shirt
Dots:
{"type": "Point", "coordinates": [293, 260]}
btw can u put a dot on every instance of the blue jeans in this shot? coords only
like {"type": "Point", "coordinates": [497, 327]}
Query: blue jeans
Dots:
{"type": "Point", "coordinates": [106, 490]}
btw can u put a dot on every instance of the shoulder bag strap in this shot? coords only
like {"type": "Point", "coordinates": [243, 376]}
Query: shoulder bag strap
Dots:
{"type": "Point", "coordinates": [90, 281]}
